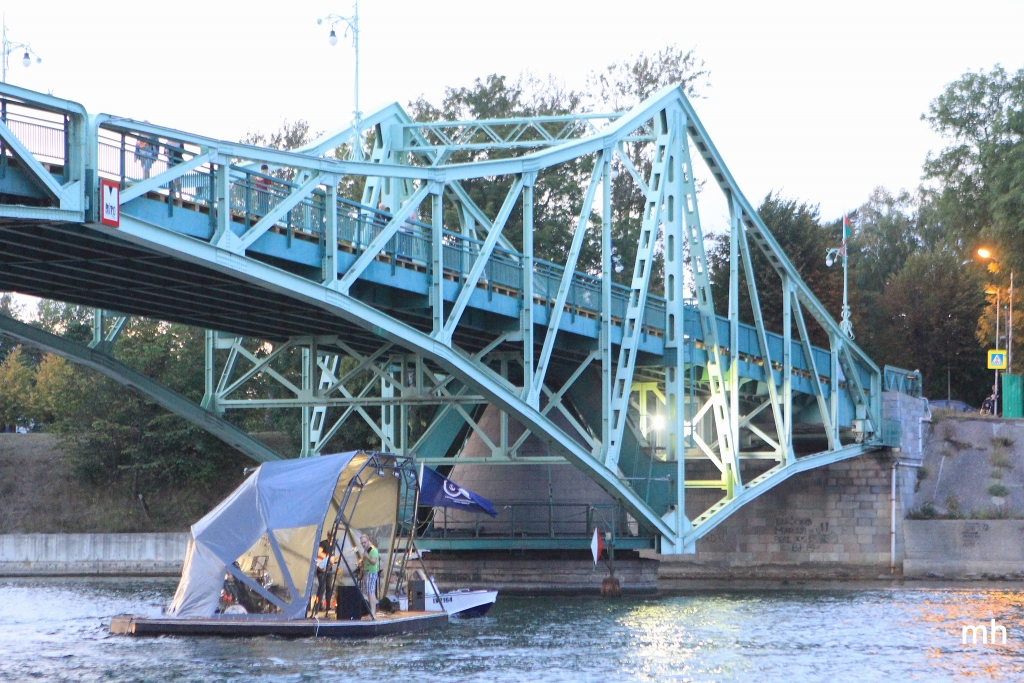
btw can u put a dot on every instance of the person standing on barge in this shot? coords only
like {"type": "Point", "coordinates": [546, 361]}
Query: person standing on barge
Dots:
{"type": "Point", "coordinates": [370, 567]}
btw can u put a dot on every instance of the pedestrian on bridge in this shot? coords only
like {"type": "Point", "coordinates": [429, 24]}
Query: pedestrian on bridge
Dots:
{"type": "Point", "coordinates": [145, 154]}
{"type": "Point", "coordinates": [262, 187]}
{"type": "Point", "coordinates": [175, 155]}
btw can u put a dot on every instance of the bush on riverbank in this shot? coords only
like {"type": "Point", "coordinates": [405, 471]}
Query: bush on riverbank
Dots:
{"type": "Point", "coordinates": [40, 494]}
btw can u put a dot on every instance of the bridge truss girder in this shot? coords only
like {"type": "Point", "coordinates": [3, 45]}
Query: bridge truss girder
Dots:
{"type": "Point", "coordinates": [410, 168]}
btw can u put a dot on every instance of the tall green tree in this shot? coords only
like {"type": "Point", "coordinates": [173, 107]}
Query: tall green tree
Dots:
{"type": "Point", "coordinates": [928, 317]}
{"type": "Point", "coordinates": [9, 307]}
{"type": "Point", "coordinates": [15, 391]}
{"type": "Point", "coordinates": [111, 433]}
{"type": "Point", "coordinates": [886, 234]}
{"type": "Point", "coordinates": [52, 375]}
{"type": "Point", "coordinates": [978, 178]}
{"type": "Point", "coordinates": [798, 229]}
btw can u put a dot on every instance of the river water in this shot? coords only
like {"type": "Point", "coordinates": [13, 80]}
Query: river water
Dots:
{"type": "Point", "coordinates": [56, 630]}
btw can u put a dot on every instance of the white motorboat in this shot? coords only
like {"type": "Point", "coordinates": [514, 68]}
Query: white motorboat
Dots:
{"type": "Point", "coordinates": [464, 602]}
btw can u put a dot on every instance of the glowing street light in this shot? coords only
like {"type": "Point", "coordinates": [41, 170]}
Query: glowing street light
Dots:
{"type": "Point", "coordinates": [987, 254]}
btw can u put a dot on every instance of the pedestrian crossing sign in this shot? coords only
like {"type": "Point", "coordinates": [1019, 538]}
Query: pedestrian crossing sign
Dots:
{"type": "Point", "coordinates": [996, 359]}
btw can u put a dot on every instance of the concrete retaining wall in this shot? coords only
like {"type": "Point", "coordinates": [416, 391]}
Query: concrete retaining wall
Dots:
{"type": "Point", "coordinates": [764, 542]}
{"type": "Point", "coordinates": [964, 549]}
{"type": "Point", "coordinates": [109, 554]}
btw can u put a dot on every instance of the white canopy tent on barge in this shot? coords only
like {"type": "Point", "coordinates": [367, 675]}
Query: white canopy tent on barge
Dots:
{"type": "Point", "coordinates": [251, 563]}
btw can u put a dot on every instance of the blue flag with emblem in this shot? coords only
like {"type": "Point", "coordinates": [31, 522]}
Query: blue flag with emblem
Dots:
{"type": "Point", "coordinates": [440, 491]}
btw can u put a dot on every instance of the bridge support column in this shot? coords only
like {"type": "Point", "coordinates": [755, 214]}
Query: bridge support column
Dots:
{"type": "Point", "coordinates": [389, 442]}
{"type": "Point", "coordinates": [210, 389]}
{"type": "Point", "coordinates": [526, 316]}
{"type": "Point", "coordinates": [308, 360]}
{"type": "Point", "coordinates": [330, 256]}
{"type": "Point", "coordinates": [675, 366]}
{"type": "Point", "coordinates": [437, 258]}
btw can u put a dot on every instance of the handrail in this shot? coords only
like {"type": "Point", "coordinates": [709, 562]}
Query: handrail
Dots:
{"type": "Point", "coordinates": [903, 381]}
{"type": "Point", "coordinates": [525, 520]}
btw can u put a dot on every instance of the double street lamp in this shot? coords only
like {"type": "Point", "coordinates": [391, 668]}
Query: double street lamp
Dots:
{"type": "Point", "coordinates": [8, 47]}
{"type": "Point", "coordinates": [830, 257]}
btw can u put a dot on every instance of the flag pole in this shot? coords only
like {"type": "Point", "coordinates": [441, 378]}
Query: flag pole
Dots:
{"type": "Point", "coordinates": [412, 542]}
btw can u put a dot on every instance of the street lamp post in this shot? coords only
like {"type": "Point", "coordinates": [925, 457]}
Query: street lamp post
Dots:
{"type": "Point", "coordinates": [987, 255]}
{"type": "Point", "coordinates": [350, 23]}
{"type": "Point", "coordinates": [1010, 321]}
{"type": "Point", "coordinates": [9, 46]}
{"type": "Point", "coordinates": [830, 257]}
{"type": "Point", "coordinates": [995, 387]}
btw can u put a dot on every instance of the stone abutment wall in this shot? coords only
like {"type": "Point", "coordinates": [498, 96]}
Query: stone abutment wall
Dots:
{"type": "Point", "coordinates": [828, 523]}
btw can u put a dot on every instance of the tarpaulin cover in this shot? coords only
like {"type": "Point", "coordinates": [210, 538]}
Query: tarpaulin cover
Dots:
{"type": "Point", "coordinates": [287, 498]}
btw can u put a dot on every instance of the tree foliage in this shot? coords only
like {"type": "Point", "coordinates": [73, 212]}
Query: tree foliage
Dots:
{"type": "Point", "coordinates": [927, 322]}
{"type": "Point", "coordinates": [9, 307]}
{"type": "Point", "coordinates": [798, 229]}
{"type": "Point", "coordinates": [16, 394]}
{"type": "Point", "coordinates": [974, 194]}
{"type": "Point", "coordinates": [111, 433]}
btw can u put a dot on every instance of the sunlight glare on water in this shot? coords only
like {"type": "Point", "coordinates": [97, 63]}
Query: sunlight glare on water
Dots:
{"type": "Point", "coordinates": [56, 629]}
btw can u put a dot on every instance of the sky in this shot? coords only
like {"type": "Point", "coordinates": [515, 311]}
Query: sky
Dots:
{"type": "Point", "coordinates": [820, 101]}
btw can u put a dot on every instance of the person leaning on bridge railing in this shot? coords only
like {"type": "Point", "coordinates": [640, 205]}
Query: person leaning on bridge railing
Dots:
{"type": "Point", "coordinates": [175, 155]}
{"type": "Point", "coordinates": [263, 191]}
{"type": "Point", "coordinates": [146, 153]}
{"type": "Point", "coordinates": [383, 216]}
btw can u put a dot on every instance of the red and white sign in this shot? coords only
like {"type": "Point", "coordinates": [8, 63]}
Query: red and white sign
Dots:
{"type": "Point", "coordinates": [110, 203]}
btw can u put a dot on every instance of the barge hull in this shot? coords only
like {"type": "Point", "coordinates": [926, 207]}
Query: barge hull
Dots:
{"type": "Point", "coordinates": [286, 628]}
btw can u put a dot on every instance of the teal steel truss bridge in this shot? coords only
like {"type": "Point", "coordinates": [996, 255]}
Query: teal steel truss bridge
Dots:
{"type": "Point", "coordinates": [412, 300]}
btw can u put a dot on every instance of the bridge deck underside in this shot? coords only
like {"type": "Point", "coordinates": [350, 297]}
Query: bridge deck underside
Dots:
{"type": "Point", "coordinates": [71, 263]}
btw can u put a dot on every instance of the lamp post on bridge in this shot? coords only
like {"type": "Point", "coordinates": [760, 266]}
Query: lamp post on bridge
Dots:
{"type": "Point", "coordinates": [9, 46]}
{"type": "Point", "coordinates": [350, 23]}
{"type": "Point", "coordinates": [830, 257]}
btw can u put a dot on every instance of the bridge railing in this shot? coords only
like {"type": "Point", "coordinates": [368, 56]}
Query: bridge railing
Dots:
{"type": "Point", "coordinates": [43, 139]}
{"type": "Point", "coordinates": [43, 133]}
{"type": "Point", "coordinates": [132, 158]}
{"type": "Point", "coordinates": [904, 381]}
{"type": "Point", "coordinates": [527, 520]}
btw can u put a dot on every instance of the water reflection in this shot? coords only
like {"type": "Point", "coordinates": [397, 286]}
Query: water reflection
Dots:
{"type": "Point", "coordinates": [56, 630]}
